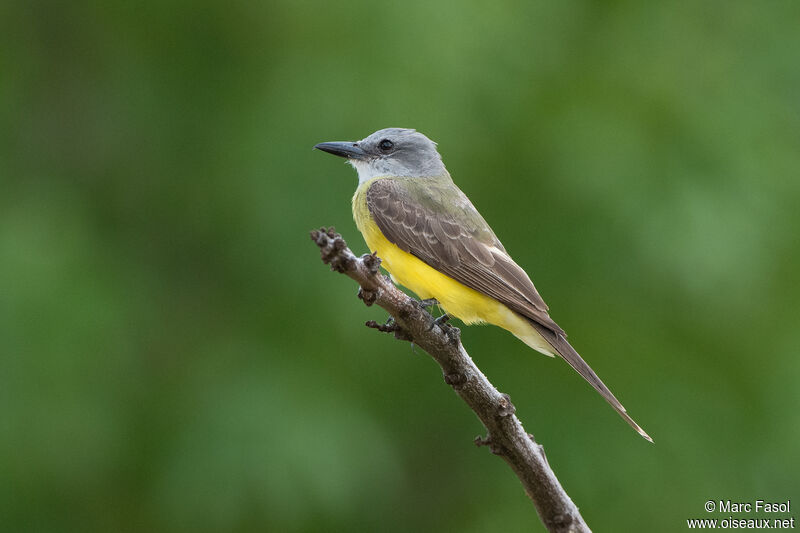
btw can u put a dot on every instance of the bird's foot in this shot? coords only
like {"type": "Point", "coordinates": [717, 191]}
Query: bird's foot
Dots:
{"type": "Point", "coordinates": [428, 302]}
{"type": "Point", "coordinates": [439, 320]}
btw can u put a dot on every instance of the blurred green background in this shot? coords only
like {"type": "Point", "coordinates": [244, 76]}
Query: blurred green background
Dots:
{"type": "Point", "coordinates": [174, 356]}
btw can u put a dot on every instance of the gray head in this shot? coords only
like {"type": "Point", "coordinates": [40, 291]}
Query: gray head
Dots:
{"type": "Point", "coordinates": [396, 152]}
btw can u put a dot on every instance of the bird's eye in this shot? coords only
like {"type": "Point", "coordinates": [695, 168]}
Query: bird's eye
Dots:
{"type": "Point", "coordinates": [385, 145]}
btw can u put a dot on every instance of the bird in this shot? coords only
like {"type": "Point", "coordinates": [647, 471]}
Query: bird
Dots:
{"type": "Point", "coordinates": [432, 240]}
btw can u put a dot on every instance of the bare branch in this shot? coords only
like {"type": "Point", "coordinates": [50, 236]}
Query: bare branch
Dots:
{"type": "Point", "coordinates": [505, 434]}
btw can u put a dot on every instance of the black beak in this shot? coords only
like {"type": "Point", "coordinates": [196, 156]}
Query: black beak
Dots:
{"type": "Point", "coordinates": [350, 150]}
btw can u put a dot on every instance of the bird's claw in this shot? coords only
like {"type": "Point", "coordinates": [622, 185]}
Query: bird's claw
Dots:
{"type": "Point", "coordinates": [440, 321]}
{"type": "Point", "coordinates": [428, 302]}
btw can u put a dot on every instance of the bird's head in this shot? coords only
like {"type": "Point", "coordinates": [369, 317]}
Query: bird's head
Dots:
{"type": "Point", "coordinates": [395, 152]}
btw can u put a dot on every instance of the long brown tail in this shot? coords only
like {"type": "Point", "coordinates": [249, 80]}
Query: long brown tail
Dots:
{"type": "Point", "coordinates": [565, 350]}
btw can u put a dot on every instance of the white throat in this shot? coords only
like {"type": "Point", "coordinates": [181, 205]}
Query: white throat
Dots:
{"type": "Point", "coordinates": [383, 166]}
{"type": "Point", "coordinates": [366, 171]}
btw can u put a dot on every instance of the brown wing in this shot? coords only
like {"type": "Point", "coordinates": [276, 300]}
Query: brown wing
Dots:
{"type": "Point", "coordinates": [438, 224]}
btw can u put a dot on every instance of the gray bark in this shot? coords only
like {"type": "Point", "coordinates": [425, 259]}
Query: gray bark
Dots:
{"type": "Point", "coordinates": [505, 434]}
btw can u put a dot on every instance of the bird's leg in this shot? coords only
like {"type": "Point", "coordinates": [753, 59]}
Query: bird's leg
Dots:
{"type": "Point", "coordinates": [428, 302]}
{"type": "Point", "coordinates": [439, 320]}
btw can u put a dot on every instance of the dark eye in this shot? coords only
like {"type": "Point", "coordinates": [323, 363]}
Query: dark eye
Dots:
{"type": "Point", "coordinates": [385, 145]}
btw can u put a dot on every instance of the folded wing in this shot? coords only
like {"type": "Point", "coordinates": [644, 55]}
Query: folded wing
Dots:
{"type": "Point", "coordinates": [439, 225]}
{"type": "Point", "coordinates": [434, 221]}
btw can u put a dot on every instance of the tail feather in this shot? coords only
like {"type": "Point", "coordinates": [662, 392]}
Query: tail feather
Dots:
{"type": "Point", "coordinates": [565, 350]}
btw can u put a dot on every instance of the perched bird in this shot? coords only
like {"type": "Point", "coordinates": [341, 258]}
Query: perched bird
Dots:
{"type": "Point", "coordinates": [432, 240]}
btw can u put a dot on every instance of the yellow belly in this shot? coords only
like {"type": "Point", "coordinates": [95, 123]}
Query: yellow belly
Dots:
{"type": "Point", "coordinates": [455, 298]}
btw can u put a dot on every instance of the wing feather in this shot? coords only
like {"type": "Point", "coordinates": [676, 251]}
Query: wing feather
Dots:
{"type": "Point", "coordinates": [440, 226]}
